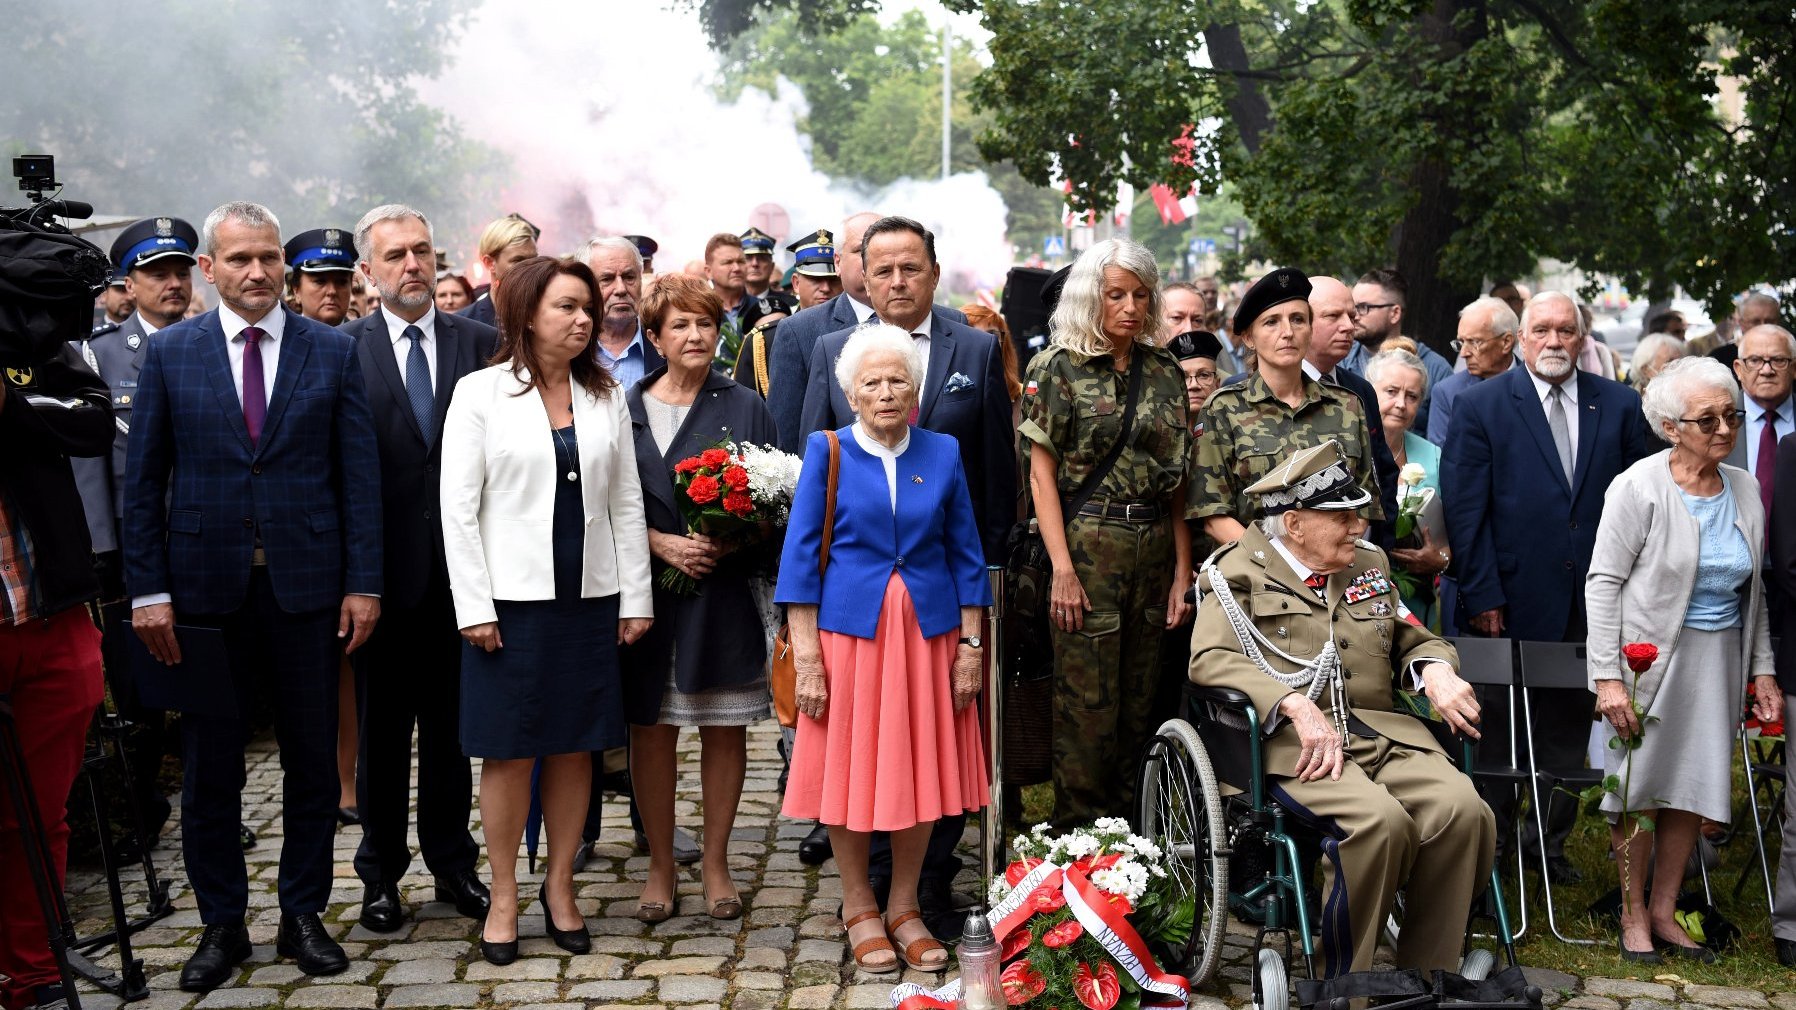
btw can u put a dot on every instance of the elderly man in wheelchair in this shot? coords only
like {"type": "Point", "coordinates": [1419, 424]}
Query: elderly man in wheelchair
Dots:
{"type": "Point", "coordinates": [1300, 616]}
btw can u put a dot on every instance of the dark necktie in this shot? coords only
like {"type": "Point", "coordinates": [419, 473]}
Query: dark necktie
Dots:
{"type": "Point", "coordinates": [255, 391]}
{"type": "Point", "coordinates": [1766, 467]}
{"type": "Point", "coordinates": [417, 383]}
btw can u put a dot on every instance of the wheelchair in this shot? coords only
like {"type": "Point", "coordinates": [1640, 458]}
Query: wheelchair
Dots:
{"type": "Point", "coordinates": [1203, 827]}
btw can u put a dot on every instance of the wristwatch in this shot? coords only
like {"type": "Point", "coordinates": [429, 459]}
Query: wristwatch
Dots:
{"type": "Point", "coordinates": [975, 641]}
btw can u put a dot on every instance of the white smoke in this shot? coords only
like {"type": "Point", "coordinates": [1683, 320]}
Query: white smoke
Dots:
{"type": "Point", "coordinates": [613, 127]}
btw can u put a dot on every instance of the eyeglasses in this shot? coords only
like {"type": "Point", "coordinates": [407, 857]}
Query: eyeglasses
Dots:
{"type": "Point", "coordinates": [1199, 378]}
{"type": "Point", "coordinates": [1757, 362]}
{"type": "Point", "coordinates": [1474, 346]}
{"type": "Point", "coordinates": [1364, 307]}
{"type": "Point", "coordinates": [1708, 423]}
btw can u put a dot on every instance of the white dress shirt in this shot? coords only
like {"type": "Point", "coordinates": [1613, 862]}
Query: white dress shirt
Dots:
{"type": "Point", "coordinates": [1785, 413]}
{"type": "Point", "coordinates": [273, 325]}
{"type": "Point", "coordinates": [862, 311]}
{"type": "Point", "coordinates": [1544, 389]}
{"type": "Point", "coordinates": [402, 347]}
{"type": "Point", "coordinates": [889, 457]}
{"type": "Point", "coordinates": [149, 328]}
{"type": "Point", "coordinates": [920, 336]}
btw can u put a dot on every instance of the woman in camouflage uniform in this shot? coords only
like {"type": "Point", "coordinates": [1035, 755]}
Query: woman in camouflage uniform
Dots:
{"type": "Point", "coordinates": [1122, 564]}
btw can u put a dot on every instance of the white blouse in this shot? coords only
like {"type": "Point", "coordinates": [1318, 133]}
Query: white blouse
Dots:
{"type": "Point", "coordinates": [887, 456]}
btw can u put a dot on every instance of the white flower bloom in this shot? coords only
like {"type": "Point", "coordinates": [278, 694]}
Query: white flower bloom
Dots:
{"type": "Point", "coordinates": [1143, 847]}
{"type": "Point", "coordinates": [1126, 878]}
{"type": "Point", "coordinates": [1411, 474]}
{"type": "Point", "coordinates": [997, 892]}
{"type": "Point", "coordinates": [1111, 826]}
{"type": "Point", "coordinates": [1040, 830]}
{"type": "Point", "coordinates": [1079, 845]}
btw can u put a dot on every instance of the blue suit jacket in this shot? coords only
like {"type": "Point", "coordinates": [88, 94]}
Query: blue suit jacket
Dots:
{"type": "Point", "coordinates": [977, 414]}
{"type": "Point", "coordinates": [1522, 536]}
{"type": "Point", "coordinates": [1440, 404]}
{"type": "Point", "coordinates": [930, 540]}
{"type": "Point", "coordinates": [197, 493]}
{"type": "Point", "coordinates": [481, 310]}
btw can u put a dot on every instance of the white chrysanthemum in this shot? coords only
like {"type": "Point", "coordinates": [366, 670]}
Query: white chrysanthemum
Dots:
{"type": "Point", "coordinates": [997, 892]}
{"type": "Point", "coordinates": [1127, 878]}
{"type": "Point", "coordinates": [1041, 830]}
{"type": "Point", "coordinates": [1079, 845]}
{"type": "Point", "coordinates": [1143, 847]}
{"type": "Point", "coordinates": [1111, 826]}
{"type": "Point", "coordinates": [772, 476]}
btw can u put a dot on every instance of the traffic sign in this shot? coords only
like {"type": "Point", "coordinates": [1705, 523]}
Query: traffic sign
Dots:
{"type": "Point", "coordinates": [1053, 245]}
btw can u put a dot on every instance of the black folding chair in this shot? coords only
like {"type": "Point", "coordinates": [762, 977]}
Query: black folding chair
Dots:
{"type": "Point", "coordinates": [1490, 664]}
{"type": "Point", "coordinates": [1557, 667]}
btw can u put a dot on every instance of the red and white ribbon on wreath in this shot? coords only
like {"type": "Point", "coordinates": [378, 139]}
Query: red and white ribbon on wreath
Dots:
{"type": "Point", "coordinates": [1093, 911]}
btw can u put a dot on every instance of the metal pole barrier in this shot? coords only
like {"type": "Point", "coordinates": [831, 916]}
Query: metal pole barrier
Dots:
{"type": "Point", "coordinates": [991, 826]}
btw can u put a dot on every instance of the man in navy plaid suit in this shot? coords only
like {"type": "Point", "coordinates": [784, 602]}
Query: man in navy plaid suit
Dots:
{"type": "Point", "coordinates": [252, 505]}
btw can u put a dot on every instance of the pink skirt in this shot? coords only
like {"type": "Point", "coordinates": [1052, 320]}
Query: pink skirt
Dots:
{"type": "Point", "coordinates": [890, 751]}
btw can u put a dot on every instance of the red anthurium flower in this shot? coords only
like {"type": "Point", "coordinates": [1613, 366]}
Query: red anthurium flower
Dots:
{"type": "Point", "coordinates": [1048, 899]}
{"type": "Point", "coordinates": [1014, 944]}
{"type": "Point", "coordinates": [1120, 903]}
{"type": "Point", "coordinates": [1091, 864]}
{"type": "Point", "coordinates": [703, 490]}
{"type": "Point", "coordinates": [713, 458]}
{"type": "Point", "coordinates": [1015, 872]}
{"type": "Point", "coordinates": [1640, 655]}
{"type": "Point", "coordinates": [1021, 983]}
{"type": "Point", "coordinates": [1063, 934]}
{"type": "Point", "coordinates": [1098, 990]}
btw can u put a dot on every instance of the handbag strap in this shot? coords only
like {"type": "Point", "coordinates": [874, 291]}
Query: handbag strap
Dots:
{"type": "Point", "coordinates": [1070, 507]}
{"type": "Point", "coordinates": [829, 500]}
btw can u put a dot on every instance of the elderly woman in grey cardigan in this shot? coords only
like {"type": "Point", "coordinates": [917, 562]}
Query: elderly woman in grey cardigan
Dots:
{"type": "Point", "coordinates": [1677, 563]}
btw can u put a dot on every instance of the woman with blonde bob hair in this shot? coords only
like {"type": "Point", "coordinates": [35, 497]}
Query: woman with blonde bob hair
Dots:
{"type": "Point", "coordinates": [1120, 552]}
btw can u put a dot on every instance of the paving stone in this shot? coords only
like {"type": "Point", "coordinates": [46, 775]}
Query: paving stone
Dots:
{"type": "Point", "coordinates": [425, 971]}
{"type": "Point", "coordinates": [829, 951]}
{"type": "Point", "coordinates": [1716, 995]}
{"type": "Point", "coordinates": [1549, 980]}
{"type": "Point", "coordinates": [334, 996]}
{"type": "Point", "coordinates": [519, 970]}
{"type": "Point", "coordinates": [1593, 1003]}
{"type": "Point", "coordinates": [526, 992]}
{"type": "Point", "coordinates": [417, 951]}
{"type": "Point", "coordinates": [716, 946]}
{"type": "Point", "coordinates": [875, 996]}
{"type": "Point", "coordinates": [452, 995]}
{"type": "Point", "coordinates": [1207, 1003]}
{"type": "Point", "coordinates": [812, 973]}
{"type": "Point", "coordinates": [594, 966]}
{"type": "Point", "coordinates": [1783, 1000]}
{"type": "Point", "coordinates": [753, 1000]}
{"type": "Point", "coordinates": [761, 958]}
{"type": "Point", "coordinates": [276, 974]}
{"type": "Point", "coordinates": [691, 988]}
{"type": "Point", "coordinates": [771, 936]}
{"type": "Point", "coordinates": [679, 966]}
{"type": "Point", "coordinates": [1627, 988]}
{"type": "Point", "coordinates": [621, 989]}
{"type": "Point", "coordinates": [219, 998]}
{"type": "Point", "coordinates": [778, 896]}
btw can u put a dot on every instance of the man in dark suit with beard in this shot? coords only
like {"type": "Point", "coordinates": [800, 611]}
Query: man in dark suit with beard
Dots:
{"type": "Point", "coordinates": [410, 673]}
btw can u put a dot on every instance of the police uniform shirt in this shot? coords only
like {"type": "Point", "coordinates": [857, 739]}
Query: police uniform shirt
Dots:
{"type": "Point", "coordinates": [402, 345]}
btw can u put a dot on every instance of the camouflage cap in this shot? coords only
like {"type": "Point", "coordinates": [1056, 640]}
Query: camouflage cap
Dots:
{"type": "Point", "coordinates": [1316, 478]}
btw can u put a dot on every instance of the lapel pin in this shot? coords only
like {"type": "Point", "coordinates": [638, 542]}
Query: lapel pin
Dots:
{"type": "Point", "coordinates": [133, 341]}
{"type": "Point", "coordinates": [916, 478]}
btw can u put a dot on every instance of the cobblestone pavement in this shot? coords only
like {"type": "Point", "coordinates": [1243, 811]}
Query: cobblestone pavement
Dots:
{"type": "Point", "coordinates": [786, 951]}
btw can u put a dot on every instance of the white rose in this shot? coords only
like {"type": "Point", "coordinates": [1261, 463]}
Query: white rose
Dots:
{"type": "Point", "coordinates": [1411, 474]}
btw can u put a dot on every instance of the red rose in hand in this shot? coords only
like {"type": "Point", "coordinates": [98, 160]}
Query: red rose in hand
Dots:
{"type": "Point", "coordinates": [1640, 655]}
{"type": "Point", "coordinates": [1015, 943]}
{"type": "Point", "coordinates": [1063, 934]}
{"type": "Point", "coordinates": [735, 478]}
{"type": "Point", "coordinates": [1015, 872]}
{"type": "Point", "coordinates": [738, 504]}
{"type": "Point", "coordinates": [703, 490]}
{"type": "Point", "coordinates": [712, 459]}
{"type": "Point", "coordinates": [1097, 989]}
{"type": "Point", "coordinates": [687, 465]}
{"type": "Point", "coordinates": [1021, 983]}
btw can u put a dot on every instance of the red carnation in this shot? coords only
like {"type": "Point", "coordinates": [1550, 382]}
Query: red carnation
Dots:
{"type": "Point", "coordinates": [713, 458]}
{"type": "Point", "coordinates": [703, 490]}
{"type": "Point", "coordinates": [1063, 934]}
{"type": "Point", "coordinates": [735, 478]}
{"type": "Point", "coordinates": [1021, 983]}
{"type": "Point", "coordinates": [1640, 655]}
{"type": "Point", "coordinates": [738, 504]}
{"type": "Point", "coordinates": [687, 465]}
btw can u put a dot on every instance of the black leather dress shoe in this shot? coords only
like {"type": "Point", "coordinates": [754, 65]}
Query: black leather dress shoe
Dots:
{"type": "Point", "coordinates": [222, 947]}
{"type": "Point", "coordinates": [303, 938]}
{"type": "Point", "coordinates": [465, 890]}
{"type": "Point", "coordinates": [815, 849]}
{"type": "Point", "coordinates": [348, 815]}
{"type": "Point", "coordinates": [382, 911]}
{"type": "Point", "coordinates": [574, 941]}
{"type": "Point", "coordinates": [1561, 871]}
{"type": "Point", "coordinates": [1786, 953]}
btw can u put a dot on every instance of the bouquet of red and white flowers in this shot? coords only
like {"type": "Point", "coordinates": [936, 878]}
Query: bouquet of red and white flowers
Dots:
{"type": "Point", "coordinates": [1073, 917]}
{"type": "Point", "coordinates": [729, 489]}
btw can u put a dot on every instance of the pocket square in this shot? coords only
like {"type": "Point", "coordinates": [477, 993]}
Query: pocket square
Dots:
{"type": "Point", "coordinates": [957, 382]}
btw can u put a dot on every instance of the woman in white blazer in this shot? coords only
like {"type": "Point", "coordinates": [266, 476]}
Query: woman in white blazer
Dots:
{"type": "Point", "coordinates": [549, 565]}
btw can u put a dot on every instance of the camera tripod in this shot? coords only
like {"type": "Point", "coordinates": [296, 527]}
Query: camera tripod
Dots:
{"type": "Point", "coordinates": [105, 748]}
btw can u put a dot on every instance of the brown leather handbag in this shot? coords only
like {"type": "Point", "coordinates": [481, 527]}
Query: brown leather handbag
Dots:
{"type": "Point", "coordinates": [785, 665]}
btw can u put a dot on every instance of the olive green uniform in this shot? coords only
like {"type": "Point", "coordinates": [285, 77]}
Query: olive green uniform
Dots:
{"type": "Point", "coordinates": [1108, 673]}
{"type": "Point", "coordinates": [1244, 430]}
{"type": "Point", "coordinates": [1402, 814]}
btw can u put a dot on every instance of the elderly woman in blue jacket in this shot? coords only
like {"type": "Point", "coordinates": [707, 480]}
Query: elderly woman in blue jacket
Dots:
{"type": "Point", "coordinates": [885, 635]}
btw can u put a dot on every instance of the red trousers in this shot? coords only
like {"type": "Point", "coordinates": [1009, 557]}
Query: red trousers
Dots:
{"type": "Point", "coordinates": [50, 670]}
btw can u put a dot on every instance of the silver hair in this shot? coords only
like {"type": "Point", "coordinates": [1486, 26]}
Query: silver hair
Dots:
{"type": "Point", "coordinates": [1502, 321]}
{"type": "Point", "coordinates": [1648, 349]}
{"type": "Point", "coordinates": [1759, 298]}
{"type": "Point", "coordinates": [1668, 395]}
{"type": "Point", "coordinates": [1546, 296]}
{"type": "Point", "coordinates": [612, 242]}
{"type": "Point", "coordinates": [1789, 341]}
{"type": "Point", "coordinates": [1273, 525]}
{"type": "Point", "coordinates": [387, 212]}
{"type": "Point", "coordinates": [252, 214]}
{"type": "Point", "coordinates": [1078, 319]}
{"type": "Point", "coordinates": [1396, 356]}
{"type": "Point", "coordinates": [877, 337]}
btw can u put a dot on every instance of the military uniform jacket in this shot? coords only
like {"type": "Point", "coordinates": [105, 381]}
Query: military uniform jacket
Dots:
{"type": "Point", "coordinates": [1244, 430]}
{"type": "Point", "coordinates": [115, 353]}
{"type": "Point", "coordinates": [1074, 411]}
{"type": "Point", "coordinates": [1376, 645]}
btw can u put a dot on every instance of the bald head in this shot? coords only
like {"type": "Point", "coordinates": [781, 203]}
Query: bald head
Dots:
{"type": "Point", "coordinates": [1331, 331]}
{"type": "Point", "coordinates": [848, 255]}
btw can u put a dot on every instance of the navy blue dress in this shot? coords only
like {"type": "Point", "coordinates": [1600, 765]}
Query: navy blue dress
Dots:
{"type": "Point", "coordinates": [554, 687]}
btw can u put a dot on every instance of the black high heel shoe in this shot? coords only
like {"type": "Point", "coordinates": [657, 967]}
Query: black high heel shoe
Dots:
{"type": "Point", "coordinates": [502, 953]}
{"type": "Point", "coordinates": [574, 941]}
{"type": "Point", "coordinates": [1648, 956]}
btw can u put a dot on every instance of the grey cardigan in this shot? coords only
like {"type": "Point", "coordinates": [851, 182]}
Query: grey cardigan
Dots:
{"type": "Point", "coordinates": [1643, 572]}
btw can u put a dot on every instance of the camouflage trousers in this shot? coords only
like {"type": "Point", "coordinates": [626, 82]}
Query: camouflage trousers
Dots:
{"type": "Point", "coordinates": [1107, 698]}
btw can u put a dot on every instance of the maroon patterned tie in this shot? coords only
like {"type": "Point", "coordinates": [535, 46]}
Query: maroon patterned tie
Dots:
{"type": "Point", "coordinates": [1766, 468]}
{"type": "Point", "coordinates": [255, 394]}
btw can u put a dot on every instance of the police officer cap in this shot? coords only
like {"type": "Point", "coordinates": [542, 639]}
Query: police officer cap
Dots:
{"type": "Point", "coordinates": [1195, 344]}
{"type": "Point", "coordinates": [815, 254]}
{"type": "Point", "coordinates": [766, 305]}
{"type": "Point", "coordinates": [646, 247]}
{"type": "Point", "coordinates": [321, 250]}
{"type": "Point", "coordinates": [153, 239]}
{"type": "Point", "coordinates": [756, 242]}
{"type": "Point", "coordinates": [1276, 288]}
{"type": "Point", "coordinates": [1051, 288]}
{"type": "Point", "coordinates": [1315, 478]}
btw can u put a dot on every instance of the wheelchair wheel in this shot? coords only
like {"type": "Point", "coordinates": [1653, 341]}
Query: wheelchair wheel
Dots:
{"type": "Point", "coordinates": [1181, 812]}
{"type": "Point", "coordinates": [1477, 964]}
{"type": "Point", "coordinates": [1272, 988]}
